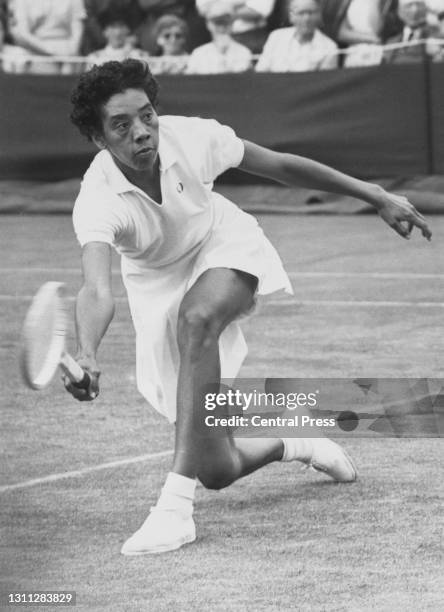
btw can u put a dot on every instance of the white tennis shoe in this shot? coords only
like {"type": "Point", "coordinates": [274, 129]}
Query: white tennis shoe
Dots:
{"type": "Point", "coordinates": [162, 531]}
{"type": "Point", "coordinates": [323, 455]}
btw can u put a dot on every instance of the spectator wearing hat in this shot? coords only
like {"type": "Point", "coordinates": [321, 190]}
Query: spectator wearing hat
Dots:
{"type": "Point", "coordinates": [223, 54]}
{"type": "Point", "coordinates": [185, 9]}
{"type": "Point", "coordinates": [171, 34]}
{"type": "Point", "coordinates": [116, 29]}
{"type": "Point", "coordinates": [249, 20]}
{"type": "Point", "coordinates": [301, 47]}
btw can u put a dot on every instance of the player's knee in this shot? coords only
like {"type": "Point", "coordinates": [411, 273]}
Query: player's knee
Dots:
{"type": "Point", "coordinates": [218, 472]}
{"type": "Point", "coordinates": [196, 328]}
{"type": "Point", "coordinates": [216, 479]}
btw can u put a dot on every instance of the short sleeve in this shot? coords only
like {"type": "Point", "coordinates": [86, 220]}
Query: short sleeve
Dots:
{"type": "Point", "coordinates": [222, 149]}
{"type": "Point", "coordinates": [95, 217]}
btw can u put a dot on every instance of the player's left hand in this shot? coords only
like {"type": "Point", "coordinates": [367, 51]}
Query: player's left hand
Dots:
{"type": "Point", "coordinates": [401, 215]}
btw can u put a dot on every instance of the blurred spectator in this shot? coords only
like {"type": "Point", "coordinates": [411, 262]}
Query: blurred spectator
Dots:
{"type": "Point", "coordinates": [116, 30]}
{"type": "Point", "coordinates": [11, 55]}
{"type": "Point", "coordinates": [413, 15]}
{"type": "Point", "coordinates": [249, 21]}
{"type": "Point", "coordinates": [93, 38]}
{"type": "Point", "coordinates": [438, 54]}
{"type": "Point", "coordinates": [171, 37]}
{"type": "Point", "coordinates": [4, 13]}
{"type": "Point", "coordinates": [185, 9]}
{"type": "Point", "coordinates": [223, 54]}
{"type": "Point", "coordinates": [48, 28]}
{"type": "Point", "coordinates": [351, 22]}
{"type": "Point", "coordinates": [435, 9]}
{"type": "Point", "coordinates": [301, 47]}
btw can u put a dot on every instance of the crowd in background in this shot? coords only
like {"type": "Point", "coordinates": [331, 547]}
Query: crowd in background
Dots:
{"type": "Point", "coordinates": [218, 36]}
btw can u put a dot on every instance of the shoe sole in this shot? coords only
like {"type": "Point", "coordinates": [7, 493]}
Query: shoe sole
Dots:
{"type": "Point", "coordinates": [161, 549]}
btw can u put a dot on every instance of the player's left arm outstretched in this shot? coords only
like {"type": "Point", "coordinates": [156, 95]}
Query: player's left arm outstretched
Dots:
{"type": "Point", "coordinates": [294, 170]}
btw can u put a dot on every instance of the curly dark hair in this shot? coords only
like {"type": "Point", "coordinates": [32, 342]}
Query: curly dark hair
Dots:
{"type": "Point", "coordinates": [99, 84]}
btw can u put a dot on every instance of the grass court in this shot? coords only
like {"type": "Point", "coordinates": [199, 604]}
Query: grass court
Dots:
{"type": "Point", "coordinates": [366, 303]}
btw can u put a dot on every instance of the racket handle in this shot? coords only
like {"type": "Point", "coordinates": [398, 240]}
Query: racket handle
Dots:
{"type": "Point", "coordinates": [74, 372]}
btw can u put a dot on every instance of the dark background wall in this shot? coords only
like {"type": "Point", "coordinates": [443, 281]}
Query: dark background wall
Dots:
{"type": "Point", "coordinates": [370, 122]}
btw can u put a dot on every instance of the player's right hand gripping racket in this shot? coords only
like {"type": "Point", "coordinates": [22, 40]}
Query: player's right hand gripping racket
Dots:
{"type": "Point", "coordinates": [43, 340]}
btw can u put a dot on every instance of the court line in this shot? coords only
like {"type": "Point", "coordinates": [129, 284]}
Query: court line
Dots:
{"type": "Point", "coordinates": [47, 270]}
{"type": "Point", "coordinates": [353, 303]}
{"type": "Point", "coordinates": [285, 302]}
{"type": "Point", "coordinates": [374, 275]}
{"type": "Point", "coordinates": [82, 472]}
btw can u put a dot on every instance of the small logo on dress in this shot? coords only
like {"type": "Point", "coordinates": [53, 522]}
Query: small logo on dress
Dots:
{"type": "Point", "coordinates": [179, 187]}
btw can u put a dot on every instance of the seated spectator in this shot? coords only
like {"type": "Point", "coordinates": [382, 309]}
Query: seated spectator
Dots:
{"type": "Point", "coordinates": [249, 21]}
{"type": "Point", "coordinates": [185, 9]}
{"type": "Point", "coordinates": [117, 32]}
{"type": "Point", "coordinates": [355, 22]}
{"type": "Point", "coordinates": [359, 26]}
{"type": "Point", "coordinates": [413, 15]}
{"type": "Point", "coordinates": [92, 33]}
{"type": "Point", "coordinates": [51, 28]}
{"type": "Point", "coordinates": [223, 54]}
{"type": "Point", "coordinates": [171, 34]}
{"type": "Point", "coordinates": [301, 47]}
{"type": "Point", "coordinates": [13, 59]}
{"type": "Point", "coordinates": [435, 46]}
{"type": "Point", "coordinates": [435, 8]}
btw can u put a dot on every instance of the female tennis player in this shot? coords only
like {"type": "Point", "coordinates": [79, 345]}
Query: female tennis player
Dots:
{"type": "Point", "coordinates": [192, 263]}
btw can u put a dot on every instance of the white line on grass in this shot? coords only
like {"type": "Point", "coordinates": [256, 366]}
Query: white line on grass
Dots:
{"type": "Point", "coordinates": [78, 473]}
{"type": "Point", "coordinates": [354, 303]}
{"type": "Point", "coordinates": [290, 302]}
{"type": "Point", "coordinates": [375, 275]}
{"type": "Point", "coordinates": [30, 270]}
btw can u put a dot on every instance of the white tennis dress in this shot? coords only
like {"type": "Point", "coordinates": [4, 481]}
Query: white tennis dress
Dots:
{"type": "Point", "coordinates": [165, 247]}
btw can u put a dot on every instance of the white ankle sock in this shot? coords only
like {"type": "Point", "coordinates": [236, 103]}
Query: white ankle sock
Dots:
{"type": "Point", "coordinates": [177, 493]}
{"type": "Point", "coordinates": [297, 449]}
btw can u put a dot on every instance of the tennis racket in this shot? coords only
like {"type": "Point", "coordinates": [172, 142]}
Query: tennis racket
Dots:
{"type": "Point", "coordinates": [42, 348]}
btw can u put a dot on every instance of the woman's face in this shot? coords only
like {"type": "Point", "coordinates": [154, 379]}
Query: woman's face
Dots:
{"type": "Point", "coordinates": [172, 41]}
{"type": "Point", "coordinates": [116, 34]}
{"type": "Point", "coordinates": [130, 130]}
